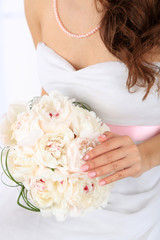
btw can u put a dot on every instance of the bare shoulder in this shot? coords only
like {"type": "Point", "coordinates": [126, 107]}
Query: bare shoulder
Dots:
{"type": "Point", "coordinates": [33, 11]}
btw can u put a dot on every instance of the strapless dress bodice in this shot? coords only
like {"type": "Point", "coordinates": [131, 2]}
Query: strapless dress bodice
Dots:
{"type": "Point", "coordinates": [133, 209]}
{"type": "Point", "coordinates": [102, 86]}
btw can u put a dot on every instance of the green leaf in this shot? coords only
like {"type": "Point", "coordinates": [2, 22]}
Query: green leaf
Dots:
{"type": "Point", "coordinates": [6, 183]}
{"type": "Point", "coordinates": [28, 203]}
{"type": "Point", "coordinates": [2, 163]}
{"type": "Point", "coordinates": [83, 105]}
{"type": "Point", "coordinates": [22, 194]}
{"type": "Point", "coordinates": [10, 176]}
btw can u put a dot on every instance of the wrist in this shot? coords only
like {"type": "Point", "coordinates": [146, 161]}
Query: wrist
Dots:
{"type": "Point", "coordinates": [150, 151]}
{"type": "Point", "coordinates": [145, 156]}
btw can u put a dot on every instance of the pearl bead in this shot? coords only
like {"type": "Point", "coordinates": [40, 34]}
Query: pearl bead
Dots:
{"type": "Point", "coordinates": [66, 31]}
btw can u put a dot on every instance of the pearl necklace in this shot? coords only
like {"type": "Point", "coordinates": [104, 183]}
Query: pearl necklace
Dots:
{"type": "Point", "coordinates": [68, 32]}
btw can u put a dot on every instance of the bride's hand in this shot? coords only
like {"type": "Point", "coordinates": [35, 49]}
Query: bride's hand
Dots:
{"type": "Point", "coordinates": [116, 154]}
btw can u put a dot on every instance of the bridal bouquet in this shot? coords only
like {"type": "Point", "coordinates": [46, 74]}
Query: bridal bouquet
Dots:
{"type": "Point", "coordinates": [44, 143]}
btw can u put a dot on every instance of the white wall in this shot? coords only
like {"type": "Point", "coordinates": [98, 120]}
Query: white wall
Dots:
{"type": "Point", "coordinates": [18, 78]}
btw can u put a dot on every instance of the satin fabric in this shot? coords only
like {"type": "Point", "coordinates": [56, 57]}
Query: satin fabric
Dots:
{"type": "Point", "coordinates": [137, 133]}
{"type": "Point", "coordinates": [133, 209]}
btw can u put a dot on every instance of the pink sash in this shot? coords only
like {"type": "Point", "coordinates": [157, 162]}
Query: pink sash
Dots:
{"type": "Point", "coordinates": [137, 133]}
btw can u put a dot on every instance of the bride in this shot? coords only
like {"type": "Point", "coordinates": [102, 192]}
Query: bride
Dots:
{"type": "Point", "coordinates": [105, 53]}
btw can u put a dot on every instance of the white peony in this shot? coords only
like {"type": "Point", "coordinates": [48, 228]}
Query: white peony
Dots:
{"type": "Point", "coordinates": [51, 148]}
{"type": "Point", "coordinates": [74, 196]}
{"type": "Point", "coordinates": [54, 109]}
{"type": "Point", "coordinates": [86, 195]}
{"type": "Point", "coordinates": [86, 123]}
{"type": "Point", "coordinates": [22, 163]}
{"type": "Point", "coordinates": [7, 120]}
{"type": "Point", "coordinates": [43, 193]}
{"type": "Point", "coordinates": [77, 148]}
{"type": "Point", "coordinates": [26, 129]}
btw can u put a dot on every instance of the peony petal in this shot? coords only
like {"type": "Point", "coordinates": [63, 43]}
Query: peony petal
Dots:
{"type": "Point", "coordinates": [31, 139]}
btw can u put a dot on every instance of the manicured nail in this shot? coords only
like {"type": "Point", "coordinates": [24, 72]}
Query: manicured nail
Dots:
{"type": "Point", "coordinates": [102, 137]}
{"type": "Point", "coordinates": [91, 174]}
{"type": "Point", "coordinates": [102, 183]}
{"type": "Point", "coordinates": [86, 157]}
{"type": "Point", "coordinates": [84, 168]}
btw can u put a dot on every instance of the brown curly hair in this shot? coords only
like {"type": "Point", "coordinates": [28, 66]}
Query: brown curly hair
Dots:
{"type": "Point", "coordinates": [130, 30]}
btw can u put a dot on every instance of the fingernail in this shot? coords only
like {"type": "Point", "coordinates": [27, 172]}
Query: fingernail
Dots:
{"type": "Point", "coordinates": [102, 137]}
{"type": "Point", "coordinates": [86, 157]}
{"type": "Point", "coordinates": [102, 183]}
{"type": "Point", "coordinates": [84, 168]}
{"type": "Point", "coordinates": [91, 174]}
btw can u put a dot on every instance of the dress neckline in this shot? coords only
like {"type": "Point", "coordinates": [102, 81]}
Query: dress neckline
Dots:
{"type": "Point", "coordinates": [70, 65]}
{"type": "Point", "coordinates": [108, 63]}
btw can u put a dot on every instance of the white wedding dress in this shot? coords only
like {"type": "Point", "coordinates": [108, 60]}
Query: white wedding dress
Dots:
{"type": "Point", "coordinates": [133, 209]}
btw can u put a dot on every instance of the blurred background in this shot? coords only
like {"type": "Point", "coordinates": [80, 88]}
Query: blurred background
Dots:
{"type": "Point", "coordinates": [18, 77]}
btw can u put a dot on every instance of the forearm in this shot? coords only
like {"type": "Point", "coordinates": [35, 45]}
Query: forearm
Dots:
{"type": "Point", "coordinates": [150, 151]}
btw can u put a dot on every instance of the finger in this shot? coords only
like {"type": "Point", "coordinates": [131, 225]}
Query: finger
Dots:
{"type": "Point", "coordinates": [106, 135]}
{"type": "Point", "coordinates": [105, 159]}
{"type": "Point", "coordinates": [112, 167]}
{"type": "Point", "coordinates": [117, 176]}
{"type": "Point", "coordinates": [110, 144]}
